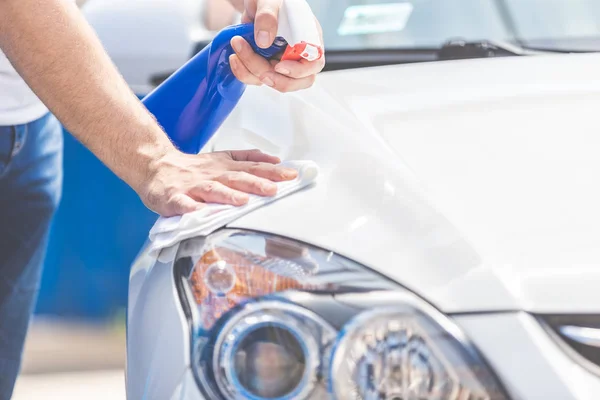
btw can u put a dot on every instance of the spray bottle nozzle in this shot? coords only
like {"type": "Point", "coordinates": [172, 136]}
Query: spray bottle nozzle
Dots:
{"type": "Point", "coordinates": [298, 26]}
{"type": "Point", "coordinates": [304, 51]}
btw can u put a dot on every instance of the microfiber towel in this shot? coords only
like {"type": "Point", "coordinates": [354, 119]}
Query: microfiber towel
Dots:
{"type": "Point", "coordinates": [169, 231]}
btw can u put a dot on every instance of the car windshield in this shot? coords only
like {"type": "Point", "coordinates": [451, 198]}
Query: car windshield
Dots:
{"type": "Point", "coordinates": [392, 24]}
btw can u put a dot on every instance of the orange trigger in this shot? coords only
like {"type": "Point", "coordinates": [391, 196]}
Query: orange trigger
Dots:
{"type": "Point", "coordinates": [292, 54]}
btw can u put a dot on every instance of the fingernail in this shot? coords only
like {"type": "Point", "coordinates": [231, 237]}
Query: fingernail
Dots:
{"type": "Point", "coordinates": [282, 70]}
{"type": "Point", "coordinates": [268, 81]}
{"type": "Point", "coordinates": [234, 63]}
{"type": "Point", "coordinates": [263, 39]}
{"type": "Point", "coordinates": [289, 173]}
{"type": "Point", "coordinates": [240, 198]}
{"type": "Point", "coordinates": [235, 43]}
{"type": "Point", "coordinates": [267, 188]}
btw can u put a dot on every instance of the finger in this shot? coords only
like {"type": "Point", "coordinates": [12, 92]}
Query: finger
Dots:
{"type": "Point", "coordinates": [238, 5]}
{"type": "Point", "coordinates": [254, 156]}
{"type": "Point", "coordinates": [181, 204]}
{"type": "Point", "coordinates": [216, 192]}
{"type": "Point", "coordinates": [300, 69]}
{"type": "Point", "coordinates": [247, 183]}
{"type": "Point", "coordinates": [320, 29]}
{"type": "Point", "coordinates": [285, 84]}
{"type": "Point", "coordinates": [265, 22]}
{"type": "Point", "coordinates": [242, 73]}
{"type": "Point", "coordinates": [268, 171]}
{"type": "Point", "coordinates": [249, 10]}
{"type": "Point", "coordinates": [246, 19]}
{"type": "Point", "coordinates": [256, 64]}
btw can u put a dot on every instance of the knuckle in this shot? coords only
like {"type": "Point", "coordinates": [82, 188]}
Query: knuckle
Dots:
{"type": "Point", "coordinates": [235, 155]}
{"type": "Point", "coordinates": [174, 200]}
{"type": "Point", "coordinates": [155, 197]}
{"type": "Point", "coordinates": [294, 73]}
{"type": "Point", "coordinates": [254, 167]}
{"type": "Point", "coordinates": [234, 178]}
{"type": "Point", "coordinates": [243, 75]}
{"type": "Point", "coordinates": [268, 13]}
{"type": "Point", "coordinates": [209, 187]}
{"type": "Point", "coordinates": [171, 191]}
{"type": "Point", "coordinates": [284, 85]}
{"type": "Point", "coordinates": [151, 199]}
{"type": "Point", "coordinates": [256, 185]}
{"type": "Point", "coordinates": [322, 63]}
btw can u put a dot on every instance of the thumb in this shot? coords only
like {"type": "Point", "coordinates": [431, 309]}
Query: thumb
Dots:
{"type": "Point", "coordinates": [182, 204]}
{"type": "Point", "coordinates": [265, 21]}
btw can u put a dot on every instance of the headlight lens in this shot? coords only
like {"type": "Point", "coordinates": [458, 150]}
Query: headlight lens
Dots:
{"type": "Point", "coordinates": [402, 352]}
{"type": "Point", "coordinates": [271, 350]}
{"type": "Point", "coordinates": [277, 319]}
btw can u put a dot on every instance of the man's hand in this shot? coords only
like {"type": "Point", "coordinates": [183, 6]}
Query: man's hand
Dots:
{"type": "Point", "coordinates": [182, 183]}
{"type": "Point", "coordinates": [57, 53]}
{"type": "Point", "coordinates": [252, 69]}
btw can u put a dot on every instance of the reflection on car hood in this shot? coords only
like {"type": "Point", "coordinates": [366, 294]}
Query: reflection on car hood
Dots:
{"type": "Point", "coordinates": [473, 183]}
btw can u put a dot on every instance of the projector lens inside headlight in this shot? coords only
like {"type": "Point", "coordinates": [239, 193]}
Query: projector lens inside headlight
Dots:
{"type": "Point", "coordinates": [270, 362]}
{"type": "Point", "coordinates": [271, 350]}
{"type": "Point", "coordinates": [275, 319]}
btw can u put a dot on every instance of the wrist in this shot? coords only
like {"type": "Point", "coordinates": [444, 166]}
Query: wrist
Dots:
{"type": "Point", "coordinates": [146, 160]}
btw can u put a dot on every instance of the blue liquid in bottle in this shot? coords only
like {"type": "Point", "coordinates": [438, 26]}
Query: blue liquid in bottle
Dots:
{"type": "Point", "coordinates": [194, 102]}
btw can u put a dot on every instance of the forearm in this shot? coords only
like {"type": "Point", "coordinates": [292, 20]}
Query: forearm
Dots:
{"type": "Point", "coordinates": [59, 56]}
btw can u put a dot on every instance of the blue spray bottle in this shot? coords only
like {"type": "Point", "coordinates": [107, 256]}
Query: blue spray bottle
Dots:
{"type": "Point", "coordinates": [192, 104]}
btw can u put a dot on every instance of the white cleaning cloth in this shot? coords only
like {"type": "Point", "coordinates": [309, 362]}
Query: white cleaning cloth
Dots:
{"type": "Point", "coordinates": [169, 231]}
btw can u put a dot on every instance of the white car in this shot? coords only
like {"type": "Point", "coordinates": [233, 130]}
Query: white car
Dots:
{"type": "Point", "coordinates": [449, 249]}
{"type": "Point", "coordinates": [149, 39]}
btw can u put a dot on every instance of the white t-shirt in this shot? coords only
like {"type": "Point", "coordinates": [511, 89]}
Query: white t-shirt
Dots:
{"type": "Point", "coordinates": [18, 104]}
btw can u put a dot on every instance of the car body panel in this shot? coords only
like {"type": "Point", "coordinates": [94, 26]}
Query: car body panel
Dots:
{"type": "Point", "coordinates": [470, 182]}
{"type": "Point", "coordinates": [527, 360]}
{"type": "Point", "coordinates": [187, 389]}
{"type": "Point", "coordinates": [158, 333]}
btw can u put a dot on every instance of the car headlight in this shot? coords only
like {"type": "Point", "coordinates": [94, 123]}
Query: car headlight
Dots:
{"type": "Point", "coordinates": [272, 318]}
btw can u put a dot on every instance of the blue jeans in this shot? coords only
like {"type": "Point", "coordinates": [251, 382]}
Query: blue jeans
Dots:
{"type": "Point", "coordinates": [30, 187]}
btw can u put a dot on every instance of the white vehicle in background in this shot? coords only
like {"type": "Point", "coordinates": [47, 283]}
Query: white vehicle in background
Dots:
{"type": "Point", "coordinates": [150, 39]}
{"type": "Point", "coordinates": [449, 250]}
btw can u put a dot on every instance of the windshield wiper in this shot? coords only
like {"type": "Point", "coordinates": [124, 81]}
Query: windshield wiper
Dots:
{"type": "Point", "coordinates": [459, 49]}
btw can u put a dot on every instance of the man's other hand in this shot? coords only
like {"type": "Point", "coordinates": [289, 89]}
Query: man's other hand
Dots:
{"type": "Point", "coordinates": [182, 183]}
{"type": "Point", "coordinates": [252, 69]}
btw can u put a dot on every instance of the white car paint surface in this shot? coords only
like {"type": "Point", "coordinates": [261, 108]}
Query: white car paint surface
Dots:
{"type": "Point", "coordinates": [473, 183]}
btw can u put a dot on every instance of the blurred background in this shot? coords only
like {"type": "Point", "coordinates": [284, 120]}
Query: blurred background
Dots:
{"type": "Point", "coordinates": [76, 345]}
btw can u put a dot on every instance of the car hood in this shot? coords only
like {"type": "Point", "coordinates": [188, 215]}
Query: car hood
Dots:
{"type": "Point", "coordinates": [473, 183]}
